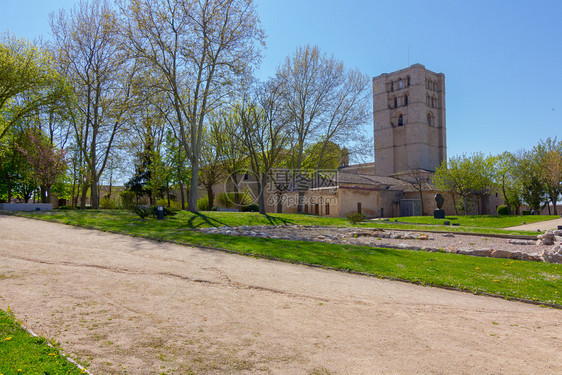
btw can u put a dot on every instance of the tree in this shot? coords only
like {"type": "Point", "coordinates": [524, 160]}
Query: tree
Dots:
{"type": "Point", "coordinates": [89, 53]}
{"type": "Point", "coordinates": [549, 159]}
{"type": "Point", "coordinates": [264, 132]}
{"type": "Point", "coordinates": [28, 81]}
{"type": "Point", "coordinates": [46, 162]}
{"type": "Point", "coordinates": [325, 102]}
{"type": "Point", "coordinates": [506, 180]}
{"type": "Point", "coordinates": [467, 176]}
{"type": "Point", "coordinates": [198, 48]}
{"type": "Point", "coordinates": [528, 172]}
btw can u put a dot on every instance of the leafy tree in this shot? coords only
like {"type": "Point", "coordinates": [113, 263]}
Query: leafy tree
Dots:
{"type": "Point", "coordinates": [28, 81]}
{"type": "Point", "coordinates": [198, 48]}
{"type": "Point", "coordinates": [46, 162]}
{"type": "Point", "coordinates": [528, 172]}
{"type": "Point", "coordinates": [467, 176]}
{"type": "Point", "coordinates": [507, 181]}
{"type": "Point", "coordinates": [549, 159]}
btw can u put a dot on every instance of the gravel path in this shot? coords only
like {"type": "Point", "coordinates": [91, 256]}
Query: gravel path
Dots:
{"type": "Point", "coordinates": [130, 305]}
{"type": "Point", "coordinates": [541, 225]}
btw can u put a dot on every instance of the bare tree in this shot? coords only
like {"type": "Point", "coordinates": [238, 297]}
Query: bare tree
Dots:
{"type": "Point", "coordinates": [325, 102]}
{"type": "Point", "coordinates": [198, 48]}
{"type": "Point", "coordinates": [88, 51]}
{"type": "Point", "coordinates": [264, 132]}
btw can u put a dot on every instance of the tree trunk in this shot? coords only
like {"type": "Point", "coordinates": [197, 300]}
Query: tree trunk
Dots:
{"type": "Point", "coordinates": [455, 204]}
{"type": "Point", "coordinates": [85, 187]}
{"type": "Point", "coordinates": [192, 201]}
{"type": "Point", "coordinates": [261, 198]}
{"type": "Point", "coordinates": [210, 197]}
{"type": "Point", "coordinates": [182, 195]}
{"type": "Point", "coordinates": [94, 193]}
{"type": "Point", "coordinates": [553, 199]}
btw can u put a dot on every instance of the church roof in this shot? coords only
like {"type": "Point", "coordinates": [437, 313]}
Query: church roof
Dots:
{"type": "Point", "coordinates": [372, 181]}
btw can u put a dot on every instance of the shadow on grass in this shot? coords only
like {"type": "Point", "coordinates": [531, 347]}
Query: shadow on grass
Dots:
{"type": "Point", "coordinates": [277, 220]}
{"type": "Point", "coordinates": [205, 220]}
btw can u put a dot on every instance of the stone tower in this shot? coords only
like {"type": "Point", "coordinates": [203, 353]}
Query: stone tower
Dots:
{"type": "Point", "coordinates": [409, 120]}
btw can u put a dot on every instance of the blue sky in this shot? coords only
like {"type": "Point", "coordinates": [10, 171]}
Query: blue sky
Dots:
{"type": "Point", "coordinates": [501, 59]}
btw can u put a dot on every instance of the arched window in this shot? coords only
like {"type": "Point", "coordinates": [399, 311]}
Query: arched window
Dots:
{"type": "Point", "coordinates": [408, 81]}
{"type": "Point", "coordinates": [400, 83]}
{"type": "Point", "coordinates": [395, 102]}
{"type": "Point", "coordinates": [434, 101]}
{"type": "Point", "coordinates": [400, 120]}
{"type": "Point", "coordinates": [427, 100]}
{"type": "Point", "coordinates": [430, 118]}
{"type": "Point", "coordinates": [405, 102]}
{"type": "Point", "coordinates": [391, 86]}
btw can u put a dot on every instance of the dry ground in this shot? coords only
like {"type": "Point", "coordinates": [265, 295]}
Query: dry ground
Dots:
{"type": "Point", "coordinates": [129, 305]}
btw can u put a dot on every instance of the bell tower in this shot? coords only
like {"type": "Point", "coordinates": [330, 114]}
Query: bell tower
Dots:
{"type": "Point", "coordinates": [409, 120]}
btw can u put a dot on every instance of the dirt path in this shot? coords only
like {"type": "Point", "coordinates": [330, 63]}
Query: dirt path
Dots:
{"type": "Point", "coordinates": [133, 306]}
{"type": "Point", "coordinates": [541, 225]}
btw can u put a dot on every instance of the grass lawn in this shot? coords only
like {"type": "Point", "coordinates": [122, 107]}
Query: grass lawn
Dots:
{"type": "Point", "coordinates": [512, 279]}
{"type": "Point", "coordinates": [21, 353]}
{"type": "Point", "coordinates": [185, 219]}
{"type": "Point", "coordinates": [483, 221]}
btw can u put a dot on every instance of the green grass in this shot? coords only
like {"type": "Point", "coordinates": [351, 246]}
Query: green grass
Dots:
{"type": "Point", "coordinates": [186, 219]}
{"type": "Point", "coordinates": [482, 221]}
{"type": "Point", "coordinates": [512, 279]}
{"type": "Point", "coordinates": [21, 353]}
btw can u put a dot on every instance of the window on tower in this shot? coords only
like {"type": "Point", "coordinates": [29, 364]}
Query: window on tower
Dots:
{"type": "Point", "coordinates": [391, 86]}
{"type": "Point", "coordinates": [405, 99]}
{"type": "Point", "coordinates": [400, 120]}
{"type": "Point", "coordinates": [408, 81]}
{"type": "Point", "coordinates": [430, 119]}
{"type": "Point", "coordinates": [395, 102]}
{"type": "Point", "coordinates": [400, 83]}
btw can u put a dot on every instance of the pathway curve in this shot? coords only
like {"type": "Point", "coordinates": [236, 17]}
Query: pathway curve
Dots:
{"type": "Point", "coordinates": [541, 225]}
{"type": "Point", "coordinates": [131, 305]}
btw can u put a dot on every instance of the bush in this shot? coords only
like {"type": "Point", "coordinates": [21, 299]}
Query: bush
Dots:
{"type": "Point", "coordinates": [108, 204]}
{"type": "Point", "coordinates": [356, 218]}
{"type": "Point", "coordinates": [503, 210]}
{"type": "Point", "coordinates": [142, 211]}
{"type": "Point", "coordinates": [526, 212]}
{"type": "Point", "coordinates": [174, 205]}
{"type": "Point", "coordinates": [127, 199]}
{"type": "Point", "coordinates": [228, 200]}
{"type": "Point", "coordinates": [167, 211]}
{"type": "Point", "coordinates": [203, 204]}
{"type": "Point", "coordinates": [251, 208]}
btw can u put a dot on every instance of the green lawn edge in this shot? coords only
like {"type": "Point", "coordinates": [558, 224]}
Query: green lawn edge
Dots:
{"type": "Point", "coordinates": [512, 279]}
{"type": "Point", "coordinates": [22, 353]}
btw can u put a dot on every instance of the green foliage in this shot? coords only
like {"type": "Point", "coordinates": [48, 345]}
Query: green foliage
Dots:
{"type": "Point", "coordinates": [250, 208]}
{"type": "Point", "coordinates": [203, 204]}
{"type": "Point", "coordinates": [355, 218]}
{"type": "Point", "coordinates": [526, 212]}
{"type": "Point", "coordinates": [167, 212]}
{"type": "Point", "coordinates": [142, 211]}
{"type": "Point", "coordinates": [503, 210]}
{"type": "Point", "coordinates": [108, 203]}
{"type": "Point", "coordinates": [127, 199]}
{"type": "Point", "coordinates": [228, 200]}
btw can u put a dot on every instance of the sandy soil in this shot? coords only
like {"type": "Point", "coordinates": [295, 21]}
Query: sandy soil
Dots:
{"type": "Point", "coordinates": [133, 306]}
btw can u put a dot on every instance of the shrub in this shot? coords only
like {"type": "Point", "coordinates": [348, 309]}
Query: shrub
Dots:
{"type": "Point", "coordinates": [127, 199]}
{"type": "Point", "coordinates": [503, 210]}
{"type": "Point", "coordinates": [251, 208]}
{"type": "Point", "coordinates": [174, 205]}
{"type": "Point", "coordinates": [203, 204]}
{"type": "Point", "coordinates": [228, 200]}
{"type": "Point", "coordinates": [108, 204]}
{"type": "Point", "coordinates": [526, 212]}
{"type": "Point", "coordinates": [355, 218]}
{"type": "Point", "coordinates": [142, 211]}
{"type": "Point", "coordinates": [167, 211]}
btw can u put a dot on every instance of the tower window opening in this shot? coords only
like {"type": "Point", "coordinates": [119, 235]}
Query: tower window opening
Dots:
{"type": "Point", "coordinates": [400, 83]}
{"type": "Point", "coordinates": [395, 102]}
{"type": "Point", "coordinates": [405, 99]}
{"type": "Point", "coordinates": [391, 86]}
{"type": "Point", "coordinates": [408, 81]}
{"type": "Point", "coordinates": [430, 119]}
{"type": "Point", "coordinates": [400, 120]}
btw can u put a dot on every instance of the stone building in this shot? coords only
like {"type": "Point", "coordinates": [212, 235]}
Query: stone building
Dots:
{"type": "Point", "coordinates": [409, 120]}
